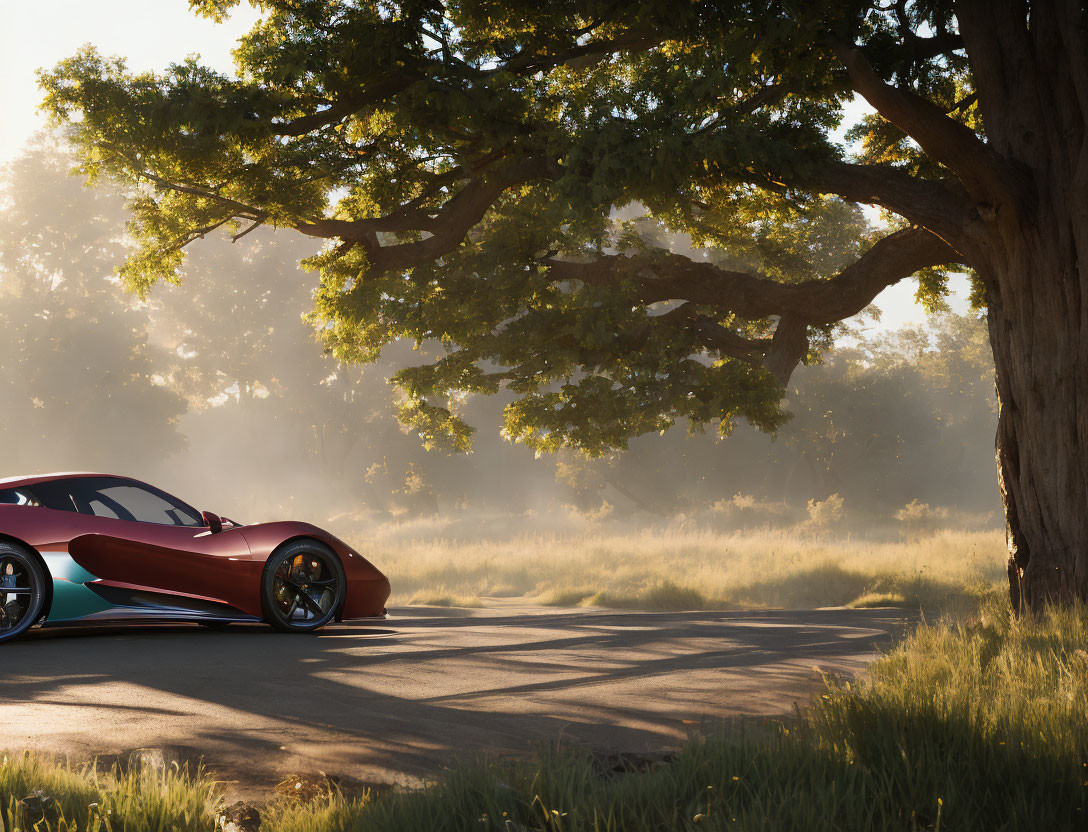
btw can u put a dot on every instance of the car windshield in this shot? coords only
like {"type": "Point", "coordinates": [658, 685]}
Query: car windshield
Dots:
{"type": "Point", "coordinates": [117, 498]}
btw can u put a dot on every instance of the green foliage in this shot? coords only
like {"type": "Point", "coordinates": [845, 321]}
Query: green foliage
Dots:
{"type": "Point", "coordinates": [391, 114]}
{"type": "Point", "coordinates": [217, 10]}
{"type": "Point", "coordinates": [435, 426]}
{"type": "Point", "coordinates": [225, 368]}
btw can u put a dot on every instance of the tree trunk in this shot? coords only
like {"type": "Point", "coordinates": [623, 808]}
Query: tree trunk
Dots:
{"type": "Point", "coordinates": [1030, 67]}
{"type": "Point", "coordinates": [1039, 332]}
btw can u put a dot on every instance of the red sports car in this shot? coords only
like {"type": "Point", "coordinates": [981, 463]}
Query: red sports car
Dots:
{"type": "Point", "coordinates": [89, 548]}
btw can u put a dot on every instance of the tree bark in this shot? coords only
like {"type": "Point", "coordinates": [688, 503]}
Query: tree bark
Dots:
{"type": "Point", "coordinates": [1039, 332]}
{"type": "Point", "coordinates": [1030, 70]}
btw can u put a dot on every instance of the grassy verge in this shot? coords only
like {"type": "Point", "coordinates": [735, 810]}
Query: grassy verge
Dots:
{"type": "Point", "coordinates": [981, 724]}
{"type": "Point", "coordinates": [63, 797]}
{"type": "Point", "coordinates": [678, 569]}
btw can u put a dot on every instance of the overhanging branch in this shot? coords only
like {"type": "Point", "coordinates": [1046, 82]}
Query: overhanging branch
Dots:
{"type": "Point", "coordinates": [917, 48]}
{"type": "Point", "coordinates": [757, 297]}
{"type": "Point", "coordinates": [941, 206]}
{"type": "Point", "coordinates": [447, 225]}
{"type": "Point", "coordinates": [986, 174]}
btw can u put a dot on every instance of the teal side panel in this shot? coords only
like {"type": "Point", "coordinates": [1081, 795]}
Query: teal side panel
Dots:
{"type": "Point", "coordinates": [72, 600]}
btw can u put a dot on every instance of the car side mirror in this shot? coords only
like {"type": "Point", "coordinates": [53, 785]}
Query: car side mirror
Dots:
{"type": "Point", "coordinates": [213, 522]}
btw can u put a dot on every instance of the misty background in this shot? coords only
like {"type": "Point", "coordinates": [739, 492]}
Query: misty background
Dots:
{"type": "Point", "coordinates": [216, 390]}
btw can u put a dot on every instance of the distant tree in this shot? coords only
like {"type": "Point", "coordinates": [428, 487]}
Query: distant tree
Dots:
{"type": "Point", "coordinates": [882, 420]}
{"type": "Point", "coordinates": [895, 418]}
{"type": "Point", "coordinates": [582, 480]}
{"type": "Point", "coordinates": [461, 163]}
{"type": "Point", "coordinates": [78, 379]}
{"type": "Point", "coordinates": [246, 358]}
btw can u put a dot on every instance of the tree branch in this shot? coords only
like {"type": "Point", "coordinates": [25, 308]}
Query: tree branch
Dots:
{"type": "Point", "coordinates": [754, 296]}
{"type": "Point", "coordinates": [788, 348]}
{"type": "Point", "coordinates": [725, 341]}
{"type": "Point", "coordinates": [916, 48]}
{"type": "Point", "coordinates": [770, 94]}
{"type": "Point", "coordinates": [713, 335]}
{"type": "Point", "coordinates": [986, 174]}
{"type": "Point", "coordinates": [923, 49]}
{"type": "Point", "coordinates": [447, 226]}
{"type": "Point", "coordinates": [238, 209]}
{"type": "Point", "coordinates": [256, 224]}
{"type": "Point", "coordinates": [579, 56]}
{"type": "Point", "coordinates": [941, 206]}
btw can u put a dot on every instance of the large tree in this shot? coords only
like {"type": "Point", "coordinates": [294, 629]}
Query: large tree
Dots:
{"type": "Point", "coordinates": [463, 162]}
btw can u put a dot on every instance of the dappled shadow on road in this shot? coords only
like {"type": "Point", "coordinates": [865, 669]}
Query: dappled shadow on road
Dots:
{"type": "Point", "coordinates": [403, 696]}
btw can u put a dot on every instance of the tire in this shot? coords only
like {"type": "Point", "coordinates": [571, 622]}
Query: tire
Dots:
{"type": "Point", "coordinates": [22, 590]}
{"type": "Point", "coordinates": [302, 587]}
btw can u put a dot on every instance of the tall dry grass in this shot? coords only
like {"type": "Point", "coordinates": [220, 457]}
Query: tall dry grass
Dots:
{"type": "Point", "coordinates": [684, 568]}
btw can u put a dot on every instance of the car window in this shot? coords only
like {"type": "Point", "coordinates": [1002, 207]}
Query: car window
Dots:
{"type": "Point", "coordinates": [55, 495]}
{"type": "Point", "coordinates": [144, 506]}
{"type": "Point", "coordinates": [100, 509]}
{"type": "Point", "coordinates": [17, 497]}
{"type": "Point", "coordinates": [117, 498]}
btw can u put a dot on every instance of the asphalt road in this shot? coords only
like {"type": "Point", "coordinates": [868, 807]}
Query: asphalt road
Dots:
{"type": "Point", "coordinates": [393, 701]}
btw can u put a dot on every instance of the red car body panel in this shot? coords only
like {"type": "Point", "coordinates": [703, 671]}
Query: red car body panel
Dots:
{"type": "Point", "coordinates": [177, 565]}
{"type": "Point", "coordinates": [172, 559]}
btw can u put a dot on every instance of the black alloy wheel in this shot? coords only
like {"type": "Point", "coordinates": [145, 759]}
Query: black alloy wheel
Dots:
{"type": "Point", "coordinates": [303, 586]}
{"type": "Point", "coordinates": [22, 590]}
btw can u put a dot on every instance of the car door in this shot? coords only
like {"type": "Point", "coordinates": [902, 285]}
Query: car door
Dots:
{"type": "Point", "coordinates": [138, 539]}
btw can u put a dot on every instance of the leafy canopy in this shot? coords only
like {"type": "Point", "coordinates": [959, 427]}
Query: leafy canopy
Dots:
{"type": "Point", "coordinates": [469, 165]}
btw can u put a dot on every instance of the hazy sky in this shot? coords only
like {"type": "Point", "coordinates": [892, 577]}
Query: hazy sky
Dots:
{"type": "Point", "coordinates": [151, 34]}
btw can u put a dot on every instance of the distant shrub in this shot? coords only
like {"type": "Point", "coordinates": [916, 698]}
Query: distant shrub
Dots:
{"type": "Point", "coordinates": [917, 518]}
{"type": "Point", "coordinates": [916, 514]}
{"type": "Point", "coordinates": [592, 515]}
{"type": "Point", "coordinates": [744, 502]}
{"type": "Point", "coordinates": [824, 514]}
{"type": "Point", "coordinates": [746, 510]}
{"type": "Point", "coordinates": [660, 595]}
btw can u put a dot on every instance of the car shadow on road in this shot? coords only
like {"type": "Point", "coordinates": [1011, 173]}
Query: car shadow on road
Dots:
{"type": "Point", "coordinates": [403, 697]}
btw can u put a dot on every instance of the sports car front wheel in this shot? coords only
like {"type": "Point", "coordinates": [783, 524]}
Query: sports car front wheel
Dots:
{"type": "Point", "coordinates": [22, 590]}
{"type": "Point", "coordinates": [303, 586]}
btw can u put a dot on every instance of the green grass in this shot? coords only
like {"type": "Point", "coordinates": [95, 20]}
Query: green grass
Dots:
{"type": "Point", "coordinates": [690, 568]}
{"type": "Point", "coordinates": [979, 723]}
{"type": "Point", "coordinates": [85, 798]}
